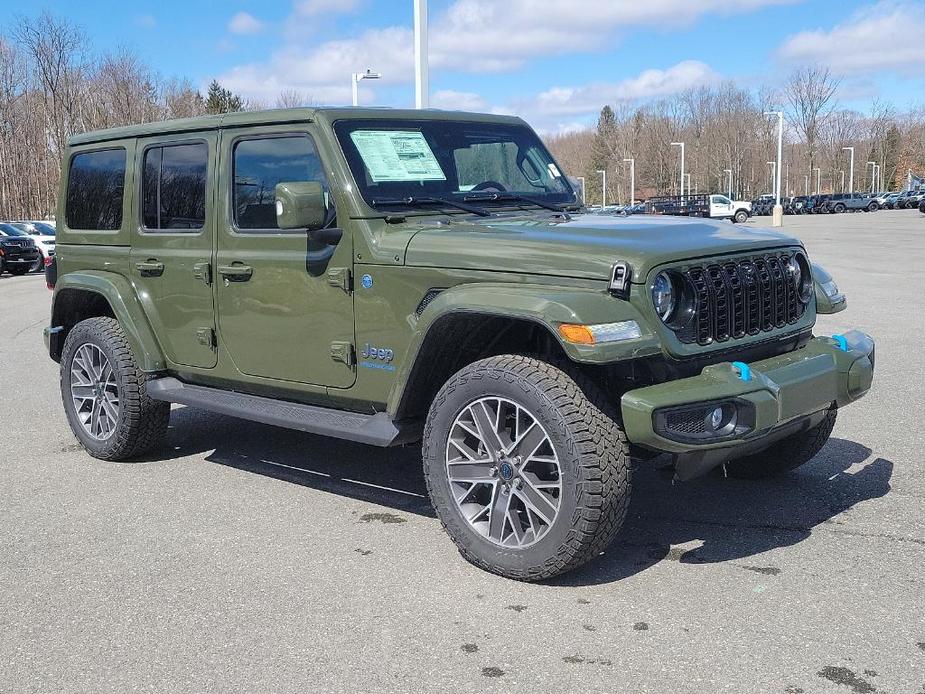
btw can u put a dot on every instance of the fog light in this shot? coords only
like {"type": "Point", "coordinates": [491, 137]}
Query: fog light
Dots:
{"type": "Point", "coordinates": [705, 422]}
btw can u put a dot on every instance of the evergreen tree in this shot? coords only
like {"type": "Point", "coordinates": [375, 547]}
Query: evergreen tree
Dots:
{"type": "Point", "coordinates": [221, 100]}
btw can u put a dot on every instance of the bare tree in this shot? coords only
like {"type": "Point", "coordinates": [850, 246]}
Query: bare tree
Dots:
{"type": "Point", "coordinates": [810, 92]}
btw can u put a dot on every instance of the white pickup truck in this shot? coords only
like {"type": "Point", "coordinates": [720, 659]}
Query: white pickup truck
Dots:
{"type": "Point", "coordinates": [722, 207]}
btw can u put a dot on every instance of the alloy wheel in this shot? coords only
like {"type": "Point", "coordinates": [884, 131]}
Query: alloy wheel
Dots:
{"type": "Point", "coordinates": [94, 392]}
{"type": "Point", "coordinates": [503, 471]}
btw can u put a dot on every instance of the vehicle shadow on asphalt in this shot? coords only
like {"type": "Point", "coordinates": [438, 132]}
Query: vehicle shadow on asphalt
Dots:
{"type": "Point", "coordinates": [390, 477]}
{"type": "Point", "coordinates": [703, 521]}
{"type": "Point", "coordinates": [714, 519]}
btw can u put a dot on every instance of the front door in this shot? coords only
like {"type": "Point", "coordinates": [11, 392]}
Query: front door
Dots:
{"type": "Point", "coordinates": [172, 247]}
{"type": "Point", "coordinates": [285, 307]}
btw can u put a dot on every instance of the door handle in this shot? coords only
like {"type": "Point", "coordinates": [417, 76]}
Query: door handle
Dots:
{"type": "Point", "coordinates": [150, 268]}
{"type": "Point", "coordinates": [236, 273]}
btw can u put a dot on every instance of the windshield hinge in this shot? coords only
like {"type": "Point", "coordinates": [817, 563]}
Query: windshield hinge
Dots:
{"type": "Point", "coordinates": [342, 352]}
{"type": "Point", "coordinates": [341, 277]}
{"type": "Point", "coordinates": [203, 271]}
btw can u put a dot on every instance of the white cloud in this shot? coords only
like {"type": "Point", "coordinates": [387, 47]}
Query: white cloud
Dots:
{"type": "Point", "coordinates": [884, 36]}
{"type": "Point", "coordinates": [500, 35]}
{"type": "Point", "coordinates": [245, 23]}
{"type": "Point", "coordinates": [589, 98]}
{"type": "Point", "coordinates": [146, 21]}
{"type": "Point", "coordinates": [324, 72]}
{"type": "Point", "coordinates": [457, 101]}
{"type": "Point", "coordinates": [309, 8]}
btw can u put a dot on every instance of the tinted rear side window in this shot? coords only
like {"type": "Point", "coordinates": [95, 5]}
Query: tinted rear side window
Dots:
{"type": "Point", "coordinates": [259, 165]}
{"type": "Point", "coordinates": [174, 187]}
{"type": "Point", "coordinates": [95, 186]}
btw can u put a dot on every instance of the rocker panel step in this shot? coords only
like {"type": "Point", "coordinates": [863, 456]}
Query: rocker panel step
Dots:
{"type": "Point", "coordinates": [375, 430]}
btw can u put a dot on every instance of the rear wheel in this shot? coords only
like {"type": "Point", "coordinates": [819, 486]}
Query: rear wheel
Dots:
{"type": "Point", "coordinates": [104, 393]}
{"type": "Point", "coordinates": [785, 455]}
{"type": "Point", "coordinates": [529, 478]}
{"type": "Point", "coordinates": [873, 207]}
{"type": "Point", "coordinates": [839, 208]}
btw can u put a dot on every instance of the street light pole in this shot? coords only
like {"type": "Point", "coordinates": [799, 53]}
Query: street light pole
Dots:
{"type": "Point", "coordinates": [632, 161]}
{"type": "Point", "coordinates": [873, 172]}
{"type": "Point", "coordinates": [773, 165]}
{"type": "Point", "coordinates": [778, 216]}
{"type": "Point", "coordinates": [851, 175]}
{"type": "Point", "coordinates": [584, 199]}
{"type": "Point", "coordinates": [728, 173]}
{"type": "Point", "coordinates": [603, 174]}
{"type": "Point", "coordinates": [357, 77]}
{"type": "Point", "coordinates": [681, 145]}
{"type": "Point", "coordinates": [421, 64]}
{"type": "Point", "coordinates": [818, 180]}
{"type": "Point", "coordinates": [805, 184]}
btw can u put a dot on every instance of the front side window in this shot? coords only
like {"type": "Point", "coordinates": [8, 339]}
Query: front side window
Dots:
{"type": "Point", "coordinates": [95, 185]}
{"type": "Point", "coordinates": [479, 162]}
{"type": "Point", "coordinates": [262, 163]}
{"type": "Point", "coordinates": [173, 187]}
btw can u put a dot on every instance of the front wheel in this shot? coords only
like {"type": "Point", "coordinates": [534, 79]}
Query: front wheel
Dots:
{"type": "Point", "coordinates": [788, 454]}
{"type": "Point", "coordinates": [18, 269]}
{"type": "Point", "coordinates": [741, 216]}
{"type": "Point", "coordinates": [105, 393]}
{"type": "Point", "coordinates": [529, 477]}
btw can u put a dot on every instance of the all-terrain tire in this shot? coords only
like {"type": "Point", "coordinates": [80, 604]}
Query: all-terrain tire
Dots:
{"type": "Point", "coordinates": [141, 422]}
{"type": "Point", "coordinates": [593, 453]}
{"type": "Point", "coordinates": [18, 269]}
{"type": "Point", "coordinates": [741, 216]}
{"type": "Point", "coordinates": [785, 455]}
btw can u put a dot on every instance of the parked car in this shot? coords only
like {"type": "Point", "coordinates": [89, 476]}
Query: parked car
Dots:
{"type": "Point", "coordinates": [798, 204]}
{"type": "Point", "coordinates": [922, 207]}
{"type": "Point", "coordinates": [851, 202]}
{"type": "Point", "coordinates": [887, 200]}
{"type": "Point", "coordinates": [43, 233]}
{"type": "Point", "coordinates": [908, 199]}
{"type": "Point", "coordinates": [18, 252]}
{"type": "Point", "coordinates": [534, 355]}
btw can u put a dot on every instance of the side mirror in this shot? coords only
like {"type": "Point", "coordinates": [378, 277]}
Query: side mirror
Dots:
{"type": "Point", "coordinates": [300, 205]}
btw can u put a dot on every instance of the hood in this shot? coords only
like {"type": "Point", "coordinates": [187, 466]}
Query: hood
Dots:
{"type": "Point", "coordinates": [585, 246]}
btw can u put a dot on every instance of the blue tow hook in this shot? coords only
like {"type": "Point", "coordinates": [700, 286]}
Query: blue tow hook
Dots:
{"type": "Point", "coordinates": [842, 342]}
{"type": "Point", "coordinates": [745, 372]}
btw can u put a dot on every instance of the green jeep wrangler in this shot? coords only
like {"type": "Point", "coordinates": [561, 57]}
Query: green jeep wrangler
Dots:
{"type": "Point", "coordinates": [389, 276]}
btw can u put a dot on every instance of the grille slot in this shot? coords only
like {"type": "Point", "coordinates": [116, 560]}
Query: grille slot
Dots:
{"type": "Point", "coordinates": [737, 298]}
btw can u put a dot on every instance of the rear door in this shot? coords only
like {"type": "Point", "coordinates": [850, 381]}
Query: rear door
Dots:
{"type": "Point", "coordinates": [285, 302]}
{"type": "Point", "coordinates": [172, 247]}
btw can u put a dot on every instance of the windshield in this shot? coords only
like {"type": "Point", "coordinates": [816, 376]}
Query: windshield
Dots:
{"type": "Point", "coordinates": [39, 228]}
{"type": "Point", "coordinates": [10, 230]}
{"type": "Point", "coordinates": [459, 161]}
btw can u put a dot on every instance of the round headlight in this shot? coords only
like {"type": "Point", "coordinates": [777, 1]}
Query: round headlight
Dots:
{"type": "Point", "coordinates": [663, 296]}
{"type": "Point", "coordinates": [801, 276]}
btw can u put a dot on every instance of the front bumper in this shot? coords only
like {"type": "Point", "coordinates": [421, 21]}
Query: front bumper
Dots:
{"type": "Point", "coordinates": [782, 396]}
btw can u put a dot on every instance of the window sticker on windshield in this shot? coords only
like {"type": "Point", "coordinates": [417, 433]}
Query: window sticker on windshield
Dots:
{"type": "Point", "coordinates": [397, 155]}
{"type": "Point", "coordinates": [554, 170]}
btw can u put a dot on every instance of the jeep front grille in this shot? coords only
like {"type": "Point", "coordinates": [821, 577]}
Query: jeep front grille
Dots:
{"type": "Point", "coordinates": [742, 297]}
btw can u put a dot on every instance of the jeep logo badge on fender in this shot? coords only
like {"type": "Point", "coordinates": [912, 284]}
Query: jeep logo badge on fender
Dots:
{"type": "Point", "coordinates": [380, 353]}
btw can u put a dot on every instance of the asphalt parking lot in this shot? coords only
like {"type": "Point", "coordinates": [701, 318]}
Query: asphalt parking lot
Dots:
{"type": "Point", "coordinates": [244, 558]}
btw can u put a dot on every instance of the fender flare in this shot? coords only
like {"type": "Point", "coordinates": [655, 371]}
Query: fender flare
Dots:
{"type": "Point", "coordinates": [120, 295]}
{"type": "Point", "coordinates": [545, 305]}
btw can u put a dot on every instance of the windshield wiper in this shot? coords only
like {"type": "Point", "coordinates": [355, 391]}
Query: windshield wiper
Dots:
{"type": "Point", "coordinates": [515, 197]}
{"type": "Point", "coordinates": [412, 201]}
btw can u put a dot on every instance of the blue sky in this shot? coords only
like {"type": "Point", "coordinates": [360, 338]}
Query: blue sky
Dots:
{"type": "Point", "coordinates": [555, 62]}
